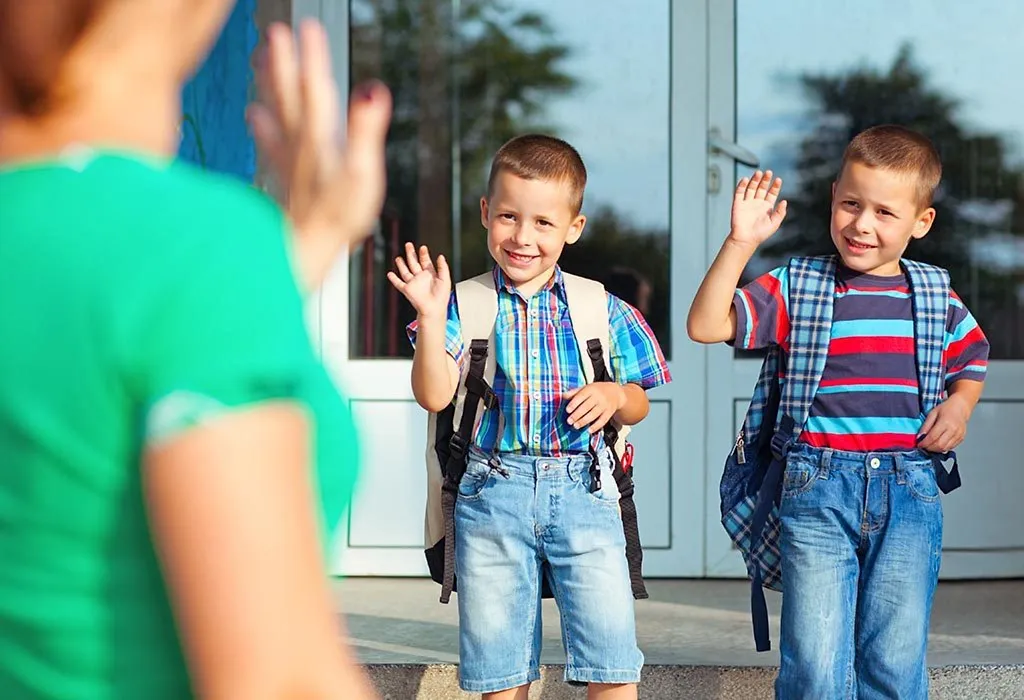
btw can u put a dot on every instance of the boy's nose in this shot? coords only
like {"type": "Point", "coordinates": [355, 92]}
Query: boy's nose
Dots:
{"type": "Point", "coordinates": [522, 235]}
{"type": "Point", "coordinates": [863, 223]}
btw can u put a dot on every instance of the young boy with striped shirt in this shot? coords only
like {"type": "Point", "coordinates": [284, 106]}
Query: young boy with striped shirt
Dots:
{"type": "Point", "coordinates": [861, 522]}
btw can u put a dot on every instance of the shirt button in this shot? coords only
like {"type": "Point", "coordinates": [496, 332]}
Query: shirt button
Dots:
{"type": "Point", "coordinates": [546, 467]}
{"type": "Point", "coordinates": [536, 438]}
{"type": "Point", "coordinates": [536, 395]}
{"type": "Point", "coordinates": [535, 353]}
{"type": "Point", "coordinates": [875, 462]}
{"type": "Point", "coordinates": [533, 312]}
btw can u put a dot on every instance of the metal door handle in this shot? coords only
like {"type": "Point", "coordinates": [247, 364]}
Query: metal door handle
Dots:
{"type": "Point", "coordinates": [718, 144]}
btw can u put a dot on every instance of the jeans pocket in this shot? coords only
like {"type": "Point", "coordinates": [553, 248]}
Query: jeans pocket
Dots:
{"type": "Point", "coordinates": [923, 485]}
{"type": "Point", "coordinates": [608, 494]}
{"type": "Point", "coordinates": [799, 477]}
{"type": "Point", "coordinates": [473, 481]}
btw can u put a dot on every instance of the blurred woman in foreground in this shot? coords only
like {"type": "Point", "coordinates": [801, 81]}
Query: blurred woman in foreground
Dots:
{"type": "Point", "coordinates": [162, 412]}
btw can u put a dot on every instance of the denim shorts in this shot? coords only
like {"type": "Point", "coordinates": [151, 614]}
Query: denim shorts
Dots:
{"type": "Point", "coordinates": [519, 518]}
{"type": "Point", "coordinates": [861, 545]}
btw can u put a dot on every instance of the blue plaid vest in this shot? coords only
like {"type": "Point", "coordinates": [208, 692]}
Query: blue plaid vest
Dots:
{"type": "Point", "coordinates": [751, 485]}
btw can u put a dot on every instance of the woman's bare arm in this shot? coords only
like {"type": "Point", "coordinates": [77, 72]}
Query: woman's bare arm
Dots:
{"type": "Point", "coordinates": [232, 510]}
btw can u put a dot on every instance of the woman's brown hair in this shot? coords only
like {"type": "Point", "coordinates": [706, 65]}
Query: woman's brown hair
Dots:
{"type": "Point", "coordinates": [35, 38]}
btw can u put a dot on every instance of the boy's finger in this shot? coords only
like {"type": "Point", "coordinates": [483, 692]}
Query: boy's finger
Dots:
{"type": "Point", "coordinates": [412, 259]}
{"type": "Point", "coordinates": [741, 186]}
{"type": "Point", "coordinates": [766, 181]}
{"type": "Point", "coordinates": [587, 418]}
{"type": "Point", "coordinates": [602, 420]}
{"type": "Point", "coordinates": [425, 262]}
{"type": "Point", "coordinates": [779, 213]}
{"type": "Point", "coordinates": [772, 194]}
{"type": "Point", "coordinates": [752, 185]}
{"type": "Point", "coordinates": [929, 422]}
{"type": "Point", "coordinates": [937, 438]}
{"type": "Point", "coordinates": [403, 270]}
{"type": "Point", "coordinates": [579, 399]}
{"type": "Point", "coordinates": [395, 281]}
{"type": "Point", "coordinates": [442, 270]}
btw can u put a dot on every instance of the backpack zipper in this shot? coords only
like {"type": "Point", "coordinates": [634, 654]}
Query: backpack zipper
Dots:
{"type": "Point", "coordinates": [739, 450]}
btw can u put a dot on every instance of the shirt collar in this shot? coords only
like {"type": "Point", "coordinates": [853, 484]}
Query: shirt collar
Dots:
{"type": "Point", "coordinates": [557, 282]}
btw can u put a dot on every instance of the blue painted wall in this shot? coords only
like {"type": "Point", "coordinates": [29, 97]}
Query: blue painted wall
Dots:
{"type": "Point", "coordinates": [214, 133]}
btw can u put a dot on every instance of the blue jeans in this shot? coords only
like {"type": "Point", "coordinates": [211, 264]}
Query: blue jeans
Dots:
{"type": "Point", "coordinates": [522, 518]}
{"type": "Point", "coordinates": [861, 544]}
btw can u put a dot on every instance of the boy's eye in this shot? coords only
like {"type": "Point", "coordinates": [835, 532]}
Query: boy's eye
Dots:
{"type": "Point", "coordinates": [542, 222]}
{"type": "Point", "coordinates": [508, 217]}
{"type": "Point", "coordinates": [885, 212]}
{"type": "Point", "coordinates": [850, 203]}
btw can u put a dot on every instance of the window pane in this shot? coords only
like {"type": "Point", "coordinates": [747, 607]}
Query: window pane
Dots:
{"type": "Point", "coordinates": [939, 66]}
{"type": "Point", "coordinates": [469, 74]}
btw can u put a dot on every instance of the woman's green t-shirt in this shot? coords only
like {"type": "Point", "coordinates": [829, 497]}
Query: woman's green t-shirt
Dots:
{"type": "Point", "coordinates": [137, 298]}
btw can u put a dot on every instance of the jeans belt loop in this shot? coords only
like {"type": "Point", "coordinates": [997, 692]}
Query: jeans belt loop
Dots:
{"type": "Point", "coordinates": [826, 460]}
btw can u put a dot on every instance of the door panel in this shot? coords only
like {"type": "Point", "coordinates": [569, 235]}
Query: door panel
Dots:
{"type": "Point", "coordinates": [795, 104]}
{"type": "Point", "coordinates": [466, 77]}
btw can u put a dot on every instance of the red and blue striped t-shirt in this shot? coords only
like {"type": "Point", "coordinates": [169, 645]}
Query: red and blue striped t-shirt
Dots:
{"type": "Point", "coordinates": [868, 399]}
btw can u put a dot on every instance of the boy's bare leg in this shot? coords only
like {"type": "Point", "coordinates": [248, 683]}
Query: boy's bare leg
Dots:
{"type": "Point", "coordinates": [520, 693]}
{"type": "Point", "coordinates": [608, 691]}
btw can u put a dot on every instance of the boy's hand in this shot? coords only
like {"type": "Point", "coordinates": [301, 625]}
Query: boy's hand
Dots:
{"type": "Point", "coordinates": [427, 289]}
{"type": "Point", "coordinates": [594, 404]}
{"type": "Point", "coordinates": [755, 217]}
{"type": "Point", "coordinates": [945, 427]}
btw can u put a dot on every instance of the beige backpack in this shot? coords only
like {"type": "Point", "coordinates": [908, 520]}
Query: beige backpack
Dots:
{"type": "Point", "coordinates": [451, 432]}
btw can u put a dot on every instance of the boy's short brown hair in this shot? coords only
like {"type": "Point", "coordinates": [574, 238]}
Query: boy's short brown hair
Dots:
{"type": "Point", "coordinates": [900, 150]}
{"type": "Point", "coordinates": [540, 157]}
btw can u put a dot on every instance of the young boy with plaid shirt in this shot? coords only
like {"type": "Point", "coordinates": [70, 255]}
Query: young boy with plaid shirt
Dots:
{"type": "Point", "coordinates": [861, 522]}
{"type": "Point", "coordinates": [534, 514]}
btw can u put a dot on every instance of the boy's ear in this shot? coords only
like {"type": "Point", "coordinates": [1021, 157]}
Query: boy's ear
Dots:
{"type": "Point", "coordinates": [483, 212]}
{"type": "Point", "coordinates": [576, 229]}
{"type": "Point", "coordinates": [924, 223]}
{"type": "Point", "coordinates": [834, 183]}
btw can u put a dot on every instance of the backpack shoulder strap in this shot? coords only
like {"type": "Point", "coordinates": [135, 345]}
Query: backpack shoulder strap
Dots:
{"type": "Point", "coordinates": [930, 286]}
{"type": "Point", "coordinates": [477, 301]}
{"type": "Point", "coordinates": [812, 285]}
{"type": "Point", "coordinates": [588, 311]}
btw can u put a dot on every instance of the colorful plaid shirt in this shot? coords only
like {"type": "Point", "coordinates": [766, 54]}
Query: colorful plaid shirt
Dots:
{"type": "Point", "coordinates": [538, 361]}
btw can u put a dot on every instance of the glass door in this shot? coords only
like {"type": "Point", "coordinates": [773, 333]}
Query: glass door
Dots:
{"type": "Point", "coordinates": [467, 75]}
{"type": "Point", "coordinates": [791, 84]}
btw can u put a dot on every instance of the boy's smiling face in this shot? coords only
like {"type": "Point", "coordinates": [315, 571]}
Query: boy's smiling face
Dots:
{"type": "Point", "coordinates": [528, 223]}
{"type": "Point", "coordinates": [875, 213]}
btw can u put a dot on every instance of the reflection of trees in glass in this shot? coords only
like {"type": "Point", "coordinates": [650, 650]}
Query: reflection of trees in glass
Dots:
{"type": "Point", "coordinates": [611, 246]}
{"type": "Point", "coordinates": [981, 193]}
{"type": "Point", "coordinates": [463, 85]}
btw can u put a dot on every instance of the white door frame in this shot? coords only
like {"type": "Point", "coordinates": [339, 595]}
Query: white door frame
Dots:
{"type": "Point", "coordinates": [388, 380]}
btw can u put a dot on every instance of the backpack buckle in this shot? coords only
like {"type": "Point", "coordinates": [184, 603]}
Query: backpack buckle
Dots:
{"type": "Point", "coordinates": [782, 440]}
{"type": "Point", "coordinates": [458, 447]}
{"type": "Point", "coordinates": [489, 398]}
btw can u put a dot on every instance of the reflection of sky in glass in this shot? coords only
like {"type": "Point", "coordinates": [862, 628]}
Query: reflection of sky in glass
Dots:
{"type": "Point", "coordinates": [969, 51]}
{"type": "Point", "coordinates": [619, 117]}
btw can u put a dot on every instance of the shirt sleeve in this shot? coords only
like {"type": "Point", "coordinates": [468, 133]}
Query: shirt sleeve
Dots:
{"type": "Point", "coordinates": [453, 344]}
{"type": "Point", "coordinates": [762, 311]}
{"type": "Point", "coordinates": [966, 348]}
{"type": "Point", "coordinates": [219, 323]}
{"type": "Point", "coordinates": [636, 357]}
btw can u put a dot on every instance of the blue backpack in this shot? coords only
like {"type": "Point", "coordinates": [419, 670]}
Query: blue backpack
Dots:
{"type": "Point", "coordinates": [751, 485]}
